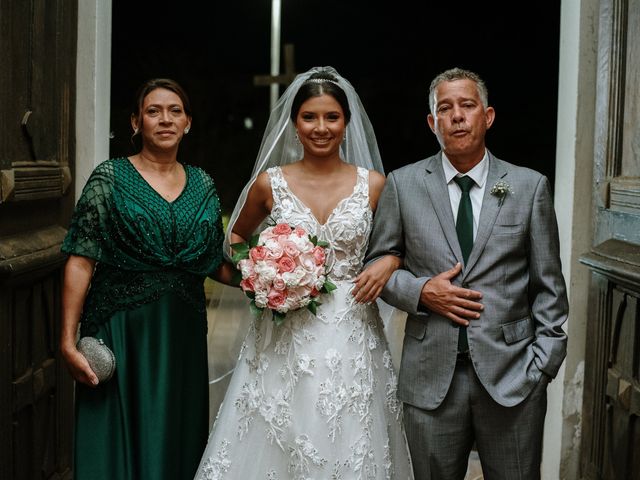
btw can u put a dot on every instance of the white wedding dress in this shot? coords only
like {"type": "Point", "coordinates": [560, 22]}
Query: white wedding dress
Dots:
{"type": "Point", "coordinates": [314, 398]}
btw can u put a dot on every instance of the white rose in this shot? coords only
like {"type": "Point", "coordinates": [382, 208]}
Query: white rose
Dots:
{"type": "Point", "coordinates": [307, 262]}
{"type": "Point", "coordinates": [302, 243]}
{"type": "Point", "coordinates": [274, 249]}
{"type": "Point", "coordinates": [266, 270]}
{"type": "Point", "coordinates": [261, 299]}
{"type": "Point", "coordinates": [292, 279]}
{"type": "Point", "coordinates": [246, 267]}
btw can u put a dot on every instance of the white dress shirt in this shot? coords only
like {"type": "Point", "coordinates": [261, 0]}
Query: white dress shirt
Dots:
{"type": "Point", "coordinates": [479, 175]}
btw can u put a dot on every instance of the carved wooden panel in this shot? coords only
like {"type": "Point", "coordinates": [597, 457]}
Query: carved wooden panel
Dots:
{"type": "Point", "coordinates": [37, 150]}
{"type": "Point", "coordinates": [631, 127]}
{"type": "Point", "coordinates": [611, 406]}
{"type": "Point", "coordinates": [37, 425]}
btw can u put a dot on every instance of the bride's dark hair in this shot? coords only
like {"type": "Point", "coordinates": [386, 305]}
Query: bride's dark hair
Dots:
{"type": "Point", "coordinates": [320, 83]}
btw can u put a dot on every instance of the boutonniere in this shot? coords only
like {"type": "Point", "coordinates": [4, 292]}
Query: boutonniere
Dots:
{"type": "Point", "coordinates": [500, 190]}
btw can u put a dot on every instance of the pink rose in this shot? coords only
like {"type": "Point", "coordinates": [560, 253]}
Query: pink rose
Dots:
{"type": "Point", "coordinates": [276, 299]}
{"type": "Point", "coordinates": [286, 264]}
{"type": "Point", "coordinates": [258, 253]}
{"type": "Point", "coordinates": [278, 283]}
{"type": "Point", "coordinates": [291, 249]}
{"type": "Point", "coordinates": [314, 292]}
{"type": "Point", "coordinates": [282, 229]}
{"type": "Point", "coordinates": [247, 285]}
{"type": "Point", "coordinates": [319, 255]}
{"type": "Point", "coordinates": [294, 298]}
{"type": "Point", "coordinates": [273, 249]}
{"type": "Point", "coordinates": [266, 234]}
{"type": "Point", "coordinates": [307, 262]}
{"type": "Point", "coordinates": [299, 231]}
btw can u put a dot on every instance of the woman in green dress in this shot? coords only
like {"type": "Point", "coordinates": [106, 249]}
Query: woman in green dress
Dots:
{"type": "Point", "coordinates": [146, 232]}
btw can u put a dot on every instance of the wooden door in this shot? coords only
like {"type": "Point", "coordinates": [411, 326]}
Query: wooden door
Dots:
{"type": "Point", "coordinates": [611, 407]}
{"type": "Point", "coordinates": [37, 92]}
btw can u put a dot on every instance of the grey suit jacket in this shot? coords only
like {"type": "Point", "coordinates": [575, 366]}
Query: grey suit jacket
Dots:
{"type": "Point", "coordinates": [514, 262]}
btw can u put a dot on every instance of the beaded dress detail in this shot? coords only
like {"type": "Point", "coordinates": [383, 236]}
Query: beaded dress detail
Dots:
{"type": "Point", "coordinates": [314, 398]}
{"type": "Point", "coordinates": [144, 245]}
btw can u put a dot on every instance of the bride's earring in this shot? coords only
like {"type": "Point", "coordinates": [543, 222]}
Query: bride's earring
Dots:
{"type": "Point", "coordinates": [298, 138]}
{"type": "Point", "coordinates": [186, 130]}
{"type": "Point", "coordinates": [344, 137]}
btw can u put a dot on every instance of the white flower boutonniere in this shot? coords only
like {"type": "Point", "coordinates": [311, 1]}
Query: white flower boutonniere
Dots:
{"type": "Point", "coordinates": [500, 190]}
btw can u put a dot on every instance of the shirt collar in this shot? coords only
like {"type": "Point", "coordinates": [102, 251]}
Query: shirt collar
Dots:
{"type": "Point", "coordinates": [477, 173]}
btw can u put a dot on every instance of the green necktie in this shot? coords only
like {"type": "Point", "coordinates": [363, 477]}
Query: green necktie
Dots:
{"type": "Point", "coordinates": [464, 229]}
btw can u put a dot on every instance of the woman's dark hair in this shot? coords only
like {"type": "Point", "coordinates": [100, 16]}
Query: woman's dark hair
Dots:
{"type": "Point", "coordinates": [320, 83]}
{"type": "Point", "coordinates": [150, 85]}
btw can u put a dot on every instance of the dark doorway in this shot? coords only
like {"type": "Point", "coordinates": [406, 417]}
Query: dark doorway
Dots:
{"type": "Point", "coordinates": [389, 51]}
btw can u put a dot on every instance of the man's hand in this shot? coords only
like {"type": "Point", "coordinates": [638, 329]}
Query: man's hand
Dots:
{"type": "Point", "coordinates": [457, 304]}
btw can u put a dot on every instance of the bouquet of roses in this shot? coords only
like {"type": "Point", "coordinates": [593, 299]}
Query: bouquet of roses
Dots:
{"type": "Point", "coordinates": [283, 269]}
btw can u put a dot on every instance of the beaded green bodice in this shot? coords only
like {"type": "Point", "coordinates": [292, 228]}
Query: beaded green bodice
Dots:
{"type": "Point", "coordinates": [144, 245]}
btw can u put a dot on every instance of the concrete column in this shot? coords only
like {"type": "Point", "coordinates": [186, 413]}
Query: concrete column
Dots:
{"type": "Point", "coordinates": [574, 167]}
{"type": "Point", "coordinates": [93, 87]}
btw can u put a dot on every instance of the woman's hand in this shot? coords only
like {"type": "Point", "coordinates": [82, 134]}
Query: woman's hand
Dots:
{"type": "Point", "coordinates": [371, 281]}
{"type": "Point", "coordinates": [78, 366]}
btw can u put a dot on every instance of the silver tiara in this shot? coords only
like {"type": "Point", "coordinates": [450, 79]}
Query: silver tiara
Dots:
{"type": "Point", "coordinates": [321, 80]}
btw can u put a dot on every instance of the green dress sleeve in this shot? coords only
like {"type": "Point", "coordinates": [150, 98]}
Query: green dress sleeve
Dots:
{"type": "Point", "coordinates": [88, 232]}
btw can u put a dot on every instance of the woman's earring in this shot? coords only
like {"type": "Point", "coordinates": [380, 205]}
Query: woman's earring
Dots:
{"type": "Point", "coordinates": [186, 130]}
{"type": "Point", "coordinates": [136, 131]}
{"type": "Point", "coordinates": [344, 136]}
{"type": "Point", "coordinates": [298, 138]}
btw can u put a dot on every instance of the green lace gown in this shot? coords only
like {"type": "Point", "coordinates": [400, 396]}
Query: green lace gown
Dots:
{"type": "Point", "coordinates": [146, 301]}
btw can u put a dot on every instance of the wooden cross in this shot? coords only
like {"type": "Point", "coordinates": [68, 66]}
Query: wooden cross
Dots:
{"type": "Point", "coordinates": [283, 79]}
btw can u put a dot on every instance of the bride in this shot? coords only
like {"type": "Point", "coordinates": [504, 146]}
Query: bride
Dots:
{"type": "Point", "coordinates": [316, 396]}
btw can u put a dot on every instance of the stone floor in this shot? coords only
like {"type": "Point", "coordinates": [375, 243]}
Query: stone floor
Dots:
{"type": "Point", "coordinates": [474, 472]}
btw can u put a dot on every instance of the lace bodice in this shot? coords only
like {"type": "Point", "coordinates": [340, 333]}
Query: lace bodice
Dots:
{"type": "Point", "coordinates": [346, 230]}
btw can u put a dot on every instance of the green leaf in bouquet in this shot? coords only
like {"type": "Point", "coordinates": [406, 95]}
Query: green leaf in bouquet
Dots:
{"type": "Point", "coordinates": [241, 251]}
{"type": "Point", "coordinates": [250, 294]}
{"type": "Point", "coordinates": [328, 287]}
{"type": "Point", "coordinates": [257, 311]}
{"type": "Point", "coordinates": [253, 242]}
{"type": "Point", "coordinates": [313, 239]}
{"type": "Point", "coordinates": [312, 306]}
{"type": "Point", "coordinates": [322, 243]}
{"type": "Point", "coordinates": [278, 318]}
{"type": "Point", "coordinates": [240, 247]}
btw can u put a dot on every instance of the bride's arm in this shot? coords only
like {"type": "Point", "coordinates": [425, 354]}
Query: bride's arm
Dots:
{"type": "Point", "coordinates": [369, 284]}
{"type": "Point", "coordinates": [256, 208]}
{"type": "Point", "coordinates": [371, 281]}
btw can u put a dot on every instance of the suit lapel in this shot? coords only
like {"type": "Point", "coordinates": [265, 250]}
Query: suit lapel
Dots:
{"type": "Point", "coordinates": [436, 187]}
{"type": "Point", "coordinates": [488, 214]}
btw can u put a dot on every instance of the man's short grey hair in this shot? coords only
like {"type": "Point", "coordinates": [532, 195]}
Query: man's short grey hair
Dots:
{"type": "Point", "coordinates": [458, 74]}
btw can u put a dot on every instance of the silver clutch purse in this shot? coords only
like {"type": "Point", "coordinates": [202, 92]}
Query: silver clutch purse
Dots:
{"type": "Point", "coordinates": [100, 357]}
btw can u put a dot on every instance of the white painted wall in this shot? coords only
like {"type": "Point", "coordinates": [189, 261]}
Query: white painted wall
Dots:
{"type": "Point", "coordinates": [93, 87]}
{"type": "Point", "coordinates": [573, 186]}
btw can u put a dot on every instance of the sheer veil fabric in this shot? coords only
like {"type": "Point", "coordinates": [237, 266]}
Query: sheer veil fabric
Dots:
{"type": "Point", "coordinates": [229, 313]}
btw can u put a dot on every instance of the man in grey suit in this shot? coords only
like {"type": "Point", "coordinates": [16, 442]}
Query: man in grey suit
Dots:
{"type": "Point", "coordinates": [483, 289]}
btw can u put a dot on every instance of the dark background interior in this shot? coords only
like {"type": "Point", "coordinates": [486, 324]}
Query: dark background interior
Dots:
{"type": "Point", "coordinates": [389, 51]}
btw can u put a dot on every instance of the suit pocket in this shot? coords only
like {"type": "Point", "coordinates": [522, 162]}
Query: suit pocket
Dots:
{"type": "Point", "coordinates": [519, 330]}
{"type": "Point", "coordinates": [511, 229]}
{"type": "Point", "coordinates": [415, 328]}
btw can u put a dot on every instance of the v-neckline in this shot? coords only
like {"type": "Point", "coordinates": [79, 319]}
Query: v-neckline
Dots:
{"type": "Point", "coordinates": [144, 180]}
{"type": "Point", "coordinates": [335, 208]}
